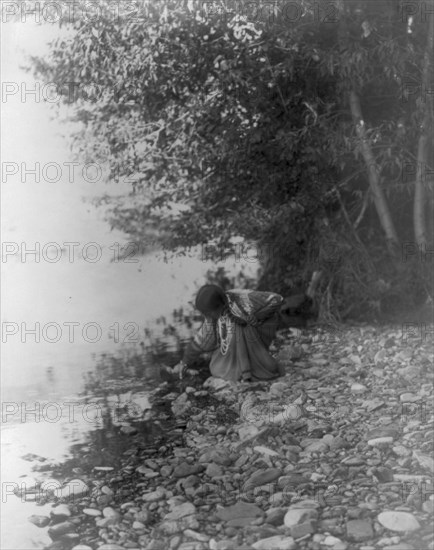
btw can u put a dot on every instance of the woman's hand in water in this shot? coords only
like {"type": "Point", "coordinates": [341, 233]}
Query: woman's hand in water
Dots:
{"type": "Point", "coordinates": [182, 370]}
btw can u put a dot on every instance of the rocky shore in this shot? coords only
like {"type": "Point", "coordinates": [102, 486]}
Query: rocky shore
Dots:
{"type": "Point", "coordinates": [337, 454]}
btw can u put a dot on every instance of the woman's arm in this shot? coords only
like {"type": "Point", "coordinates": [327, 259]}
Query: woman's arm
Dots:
{"type": "Point", "coordinates": [205, 340]}
{"type": "Point", "coordinates": [265, 304]}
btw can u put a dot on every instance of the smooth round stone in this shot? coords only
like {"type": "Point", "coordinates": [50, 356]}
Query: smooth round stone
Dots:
{"type": "Point", "coordinates": [398, 521]}
{"type": "Point", "coordinates": [358, 388]}
{"type": "Point", "coordinates": [354, 461]}
{"type": "Point", "coordinates": [39, 521]}
{"type": "Point", "coordinates": [400, 450]}
{"type": "Point", "coordinates": [110, 513]}
{"type": "Point", "coordinates": [61, 511]}
{"type": "Point", "coordinates": [75, 488]}
{"type": "Point", "coordinates": [92, 512]}
{"type": "Point", "coordinates": [61, 529]}
{"type": "Point", "coordinates": [408, 398]}
{"type": "Point", "coordinates": [387, 431]}
{"type": "Point", "coordinates": [380, 442]}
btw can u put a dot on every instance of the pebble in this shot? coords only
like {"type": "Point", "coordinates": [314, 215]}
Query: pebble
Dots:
{"type": "Point", "coordinates": [302, 529]}
{"type": "Point", "coordinates": [277, 542]}
{"type": "Point", "coordinates": [184, 469]}
{"type": "Point", "coordinates": [354, 461]}
{"type": "Point", "coordinates": [174, 527]}
{"type": "Point", "coordinates": [291, 480]}
{"type": "Point", "coordinates": [39, 521]}
{"type": "Point", "coordinates": [247, 432]}
{"type": "Point", "coordinates": [386, 431]}
{"type": "Point", "coordinates": [274, 516]}
{"type": "Point", "coordinates": [400, 450]}
{"type": "Point", "coordinates": [110, 513]}
{"type": "Point", "coordinates": [428, 506]}
{"type": "Point", "coordinates": [178, 512]}
{"type": "Point", "coordinates": [400, 546]}
{"type": "Point", "coordinates": [331, 541]}
{"type": "Point", "coordinates": [76, 488]}
{"type": "Point", "coordinates": [154, 496]}
{"type": "Point", "coordinates": [166, 470]}
{"type": "Point", "coordinates": [195, 535]}
{"type": "Point", "coordinates": [318, 446]}
{"type": "Point", "coordinates": [217, 455]}
{"type": "Point", "coordinates": [221, 544]}
{"type": "Point", "coordinates": [214, 470]}
{"type": "Point", "coordinates": [92, 512]}
{"type": "Point", "coordinates": [383, 474]}
{"type": "Point", "coordinates": [359, 530]}
{"type": "Point", "coordinates": [175, 542]}
{"type": "Point", "coordinates": [239, 510]}
{"type": "Point", "coordinates": [262, 477]}
{"type": "Point", "coordinates": [358, 388]}
{"type": "Point", "coordinates": [398, 521]}
{"type": "Point", "coordinates": [128, 430]}
{"type": "Point", "coordinates": [265, 450]}
{"type": "Point", "coordinates": [408, 398]}
{"type": "Point", "coordinates": [146, 472]}
{"type": "Point", "coordinates": [105, 522]}
{"type": "Point", "coordinates": [300, 515]}
{"type": "Point", "coordinates": [380, 442]}
{"type": "Point", "coordinates": [60, 529]}
{"type": "Point", "coordinates": [61, 511]}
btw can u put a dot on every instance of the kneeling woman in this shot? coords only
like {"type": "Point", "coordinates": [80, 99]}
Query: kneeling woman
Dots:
{"type": "Point", "coordinates": [239, 327]}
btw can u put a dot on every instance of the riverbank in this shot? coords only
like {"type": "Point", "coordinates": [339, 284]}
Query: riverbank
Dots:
{"type": "Point", "coordinates": [336, 454]}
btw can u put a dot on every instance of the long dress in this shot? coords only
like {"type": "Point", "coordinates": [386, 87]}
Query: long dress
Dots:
{"type": "Point", "coordinates": [240, 337]}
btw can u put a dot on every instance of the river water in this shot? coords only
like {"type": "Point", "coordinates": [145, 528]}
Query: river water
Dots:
{"type": "Point", "coordinates": [58, 317]}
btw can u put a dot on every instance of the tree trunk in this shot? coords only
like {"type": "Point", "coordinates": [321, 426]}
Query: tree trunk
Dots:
{"type": "Point", "coordinates": [373, 175]}
{"type": "Point", "coordinates": [419, 206]}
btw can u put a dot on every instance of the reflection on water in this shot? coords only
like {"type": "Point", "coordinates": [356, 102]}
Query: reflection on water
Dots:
{"type": "Point", "coordinates": [50, 436]}
{"type": "Point", "coordinates": [67, 400]}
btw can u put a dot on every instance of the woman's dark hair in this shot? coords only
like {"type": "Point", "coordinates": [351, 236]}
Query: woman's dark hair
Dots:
{"type": "Point", "coordinates": [210, 298]}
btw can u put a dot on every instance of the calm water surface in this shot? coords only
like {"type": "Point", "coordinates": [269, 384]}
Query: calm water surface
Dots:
{"type": "Point", "coordinates": [59, 317]}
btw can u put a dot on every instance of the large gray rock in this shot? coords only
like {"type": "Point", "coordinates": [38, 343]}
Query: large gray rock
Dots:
{"type": "Point", "coordinates": [398, 521]}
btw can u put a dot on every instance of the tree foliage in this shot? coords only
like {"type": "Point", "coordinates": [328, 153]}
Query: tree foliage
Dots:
{"type": "Point", "coordinates": [235, 119]}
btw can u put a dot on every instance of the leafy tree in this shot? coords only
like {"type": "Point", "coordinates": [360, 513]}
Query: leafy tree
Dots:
{"type": "Point", "coordinates": [293, 129]}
